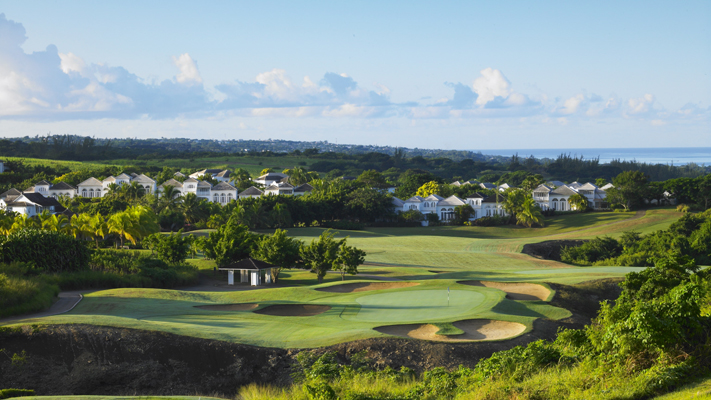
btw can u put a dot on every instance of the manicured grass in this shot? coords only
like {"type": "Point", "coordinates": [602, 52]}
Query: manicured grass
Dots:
{"type": "Point", "coordinates": [436, 258]}
{"type": "Point", "coordinates": [175, 311]}
{"type": "Point", "coordinates": [73, 165]}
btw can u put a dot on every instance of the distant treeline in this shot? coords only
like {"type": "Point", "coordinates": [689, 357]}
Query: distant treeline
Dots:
{"type": "Point", "coordinates": [338, 160]}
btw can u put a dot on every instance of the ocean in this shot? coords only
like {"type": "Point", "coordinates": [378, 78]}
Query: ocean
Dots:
{"type": "Point", "coordinates": [671, 155]}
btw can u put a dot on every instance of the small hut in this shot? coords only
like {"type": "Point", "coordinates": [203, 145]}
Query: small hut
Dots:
{"type": "Point", "coordinates": [253, 272]}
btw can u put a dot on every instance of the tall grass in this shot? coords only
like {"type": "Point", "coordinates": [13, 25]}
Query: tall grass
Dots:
{"type": "Point", "coordinates": [21, 295]}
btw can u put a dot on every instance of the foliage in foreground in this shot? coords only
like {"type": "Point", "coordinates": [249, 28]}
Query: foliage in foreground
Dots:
{"type": "Point", "coordinates": [654, 338]}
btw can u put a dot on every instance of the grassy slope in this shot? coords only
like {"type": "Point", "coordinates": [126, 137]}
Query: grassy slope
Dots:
{"type": "Point", "coordinates": [120, 398]}
{"type": "Point", "coordinates": [403, 253]}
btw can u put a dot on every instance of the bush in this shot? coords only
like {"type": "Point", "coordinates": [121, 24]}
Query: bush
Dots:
{"type": "Point", "coordinates": [10, 393]}
{"type": "Point", "coordinates": [592, 251]}
{"type": "Point", "coordinates": [47, 251]}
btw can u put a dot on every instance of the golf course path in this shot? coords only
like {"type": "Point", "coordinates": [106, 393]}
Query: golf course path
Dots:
{"type": "Point", "coordinates": [65, 303]}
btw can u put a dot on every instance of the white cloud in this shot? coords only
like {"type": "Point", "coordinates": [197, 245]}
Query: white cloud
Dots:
{"type": "Point", "coordinates": [72, 63]}
{"type": "Point", "coordinates": [491, 84]}
{"type": "Point", "coordinates": [640, 105]}
{"type": "Point", "coordinates": [189, 73]}
{"type": "Point", "coordinates": [572, 104]}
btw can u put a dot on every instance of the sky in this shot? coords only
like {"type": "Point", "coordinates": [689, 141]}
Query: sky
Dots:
{"type": "Point", "coordinates": [450, 75]}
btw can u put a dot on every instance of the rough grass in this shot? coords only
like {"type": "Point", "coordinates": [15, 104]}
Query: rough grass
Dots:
{"type": "Point", "coordinates": [120, 398]}
{"type": "Point", "coordinates": [701, 389]}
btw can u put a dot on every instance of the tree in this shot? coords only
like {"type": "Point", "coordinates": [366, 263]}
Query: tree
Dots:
{"type": "Point", "coordinates": [298, 175]}
{"type": "Point", "coordinates": [172, 248]}
{"type": "Point", "coordinates": [428, 188]}
{"type": "Point", "coordinates": [373, 179]}
{"type": "Point", "coordinates": [600, 182]}
{"type": "Point", "coordinates": [230, 243]}
{"type": "Point", "coordinates": [280, 250]}
{"type": "Point", "coordinates": [169, 198]}
{"type": "Point", "coordinates": [349, 258]}
{"type": "Point", "coordinates": [193, 208]}
{"type": "Point", "coordinates": [322, 254]}
{"type": "Point", "coordinates": [265, 171]}
{"type": "Point", "coordinates": [578, 202]}
{"type": "Point", "coordinates": [629, 188]}
{"type": "Point", "coordinates": [514, 202]}
{"type": "Point", "coordinates": [462, 214]}
{"type": "Point", "coordinates": [529, 214]}
{"type": "Point", "coordinates": [531, 182]}
{"type": "Point", "coordinates": [241, 178]}
{"type": "Point", "coordinates": [704, 191]}
{"type": "Point", "coordinates": [280, 216]}
{"type": "Point", "coordinates": [368, 204]}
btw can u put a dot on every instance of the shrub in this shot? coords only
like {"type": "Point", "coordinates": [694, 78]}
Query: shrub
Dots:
{"type": "Point", "coordinates": [587, 253]}
{"type": "Point", "coordinates": [47, 251]}
{"type": "Point", "coordinates": [10, 393]}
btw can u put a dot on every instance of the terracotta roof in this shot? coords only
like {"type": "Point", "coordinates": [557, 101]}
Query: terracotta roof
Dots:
{"type": "Point", "coordinates": [251, 191]}
{"type": "Point", "coordinates": [248, 264]}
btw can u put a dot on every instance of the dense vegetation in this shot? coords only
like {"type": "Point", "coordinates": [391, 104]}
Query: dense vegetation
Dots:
{"type": "Point", "coordinates": [690, 235]}
{"type": "Point", "coordinates": [652, 339]}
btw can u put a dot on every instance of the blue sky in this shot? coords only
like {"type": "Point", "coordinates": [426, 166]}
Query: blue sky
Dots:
{"type": "Point", "coordinates": [468, 75]}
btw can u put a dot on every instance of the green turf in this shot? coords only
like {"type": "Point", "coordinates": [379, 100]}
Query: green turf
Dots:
{"type": "Point", "coordinates": [436, 258]}
{"type": "Point", "coordinates": [700, 389]}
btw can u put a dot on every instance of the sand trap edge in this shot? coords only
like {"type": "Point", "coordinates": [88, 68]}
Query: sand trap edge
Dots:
{"type": "Point", "coordinates": [475, 330]}
{"type": "Point", "coordinates": [527, 290]}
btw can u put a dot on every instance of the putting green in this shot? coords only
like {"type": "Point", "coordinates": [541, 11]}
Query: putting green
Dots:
{"type": "Point", "coordinates": [419, 305]}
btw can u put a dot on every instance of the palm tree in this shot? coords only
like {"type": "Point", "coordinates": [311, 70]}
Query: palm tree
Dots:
{"type": "Point", "coordinates": [145, 222]}
{"type": "Point", "coordinates": [529, 214]}
{"type": "Point", "coordinates": [192, 208]}
{"type": "Point", "coordinates": [578, 202]}
{"type": "Point", "coordinates": [121, 224]}
{"type": "Point", "coordinates": [281, 216]}
{"type": "Point", "coordinates": [169, 198]}
{"type": "Point", "coordinates": [56, 223]}
{"type": "Point", "coordinates": [6, 222]}
{"type": "Point", "coordinates": [97, 228]}
{"type": "Point", "coordinates": [134, 190]}
{"type": "Point", "coordinates": [23, 222]}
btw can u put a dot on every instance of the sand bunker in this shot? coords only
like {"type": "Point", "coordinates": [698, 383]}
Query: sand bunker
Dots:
{"type": "Point", "coordinates": [366, 286]}
{"type": "Point", "coordinates": [230, 307]}
{"type": "Point", "coordinates": [474, 330]}
{"type": "Point", "coordinates": [293, 310]}
{"type": "Point", "coordinates": [515, 290]}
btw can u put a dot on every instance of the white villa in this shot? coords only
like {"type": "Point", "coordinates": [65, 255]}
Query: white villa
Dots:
{"type": "Point", "coordinates": [93, 187]}
{"type": "Point", "coordinates": [549, 198]}
{"type": "Point", "coordinates": [220, 175]}
{"type": "Point", "coordinates": [444, 208]}
{"type": "Point", "coordinates": [29, 204]}
{"type": "Point", "coordinates": [273, 177]}
{"type": "Point", "coordinates": [46, 189]}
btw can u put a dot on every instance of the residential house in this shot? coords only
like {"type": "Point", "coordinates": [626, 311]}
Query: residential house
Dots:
{"type": "Point", "coordinates": [149, 185]}
{"type": "Point", "coordinates": [475, 201]}
{"type": "Point", "coordinates": [445, 207]}
{"type": "Point", "coordinates": [201, 189]}
{"type": "Point", "coordinates": [223, 193]}
{"type": "Point", "coordinates": [90, 188]}
{"type": "Point", "coordinates": [250, 192]}
{"type": "Point", "coordinates": [279, 188]}
{"type": "Point", "coordinates": [303, 189]}
{"type": "Point", "coordinates": [548, 198]}
{"type": "Point", "coordinates": [487, 185]}
{"type": "Point", "coordinates": [493, 206]}
{"type": "Point", "coordinates": [120, 180]}
{"type": "Point", "coordinates": [220, 175]}
{"type": "Point", "coordinates": [31, 204]}
{"type": "Point", "coordinates": [502, 188]}
{"type": "Point", "coordinates": [273, 177]}
{"type": "Point", "coordinates": [554, 184]}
